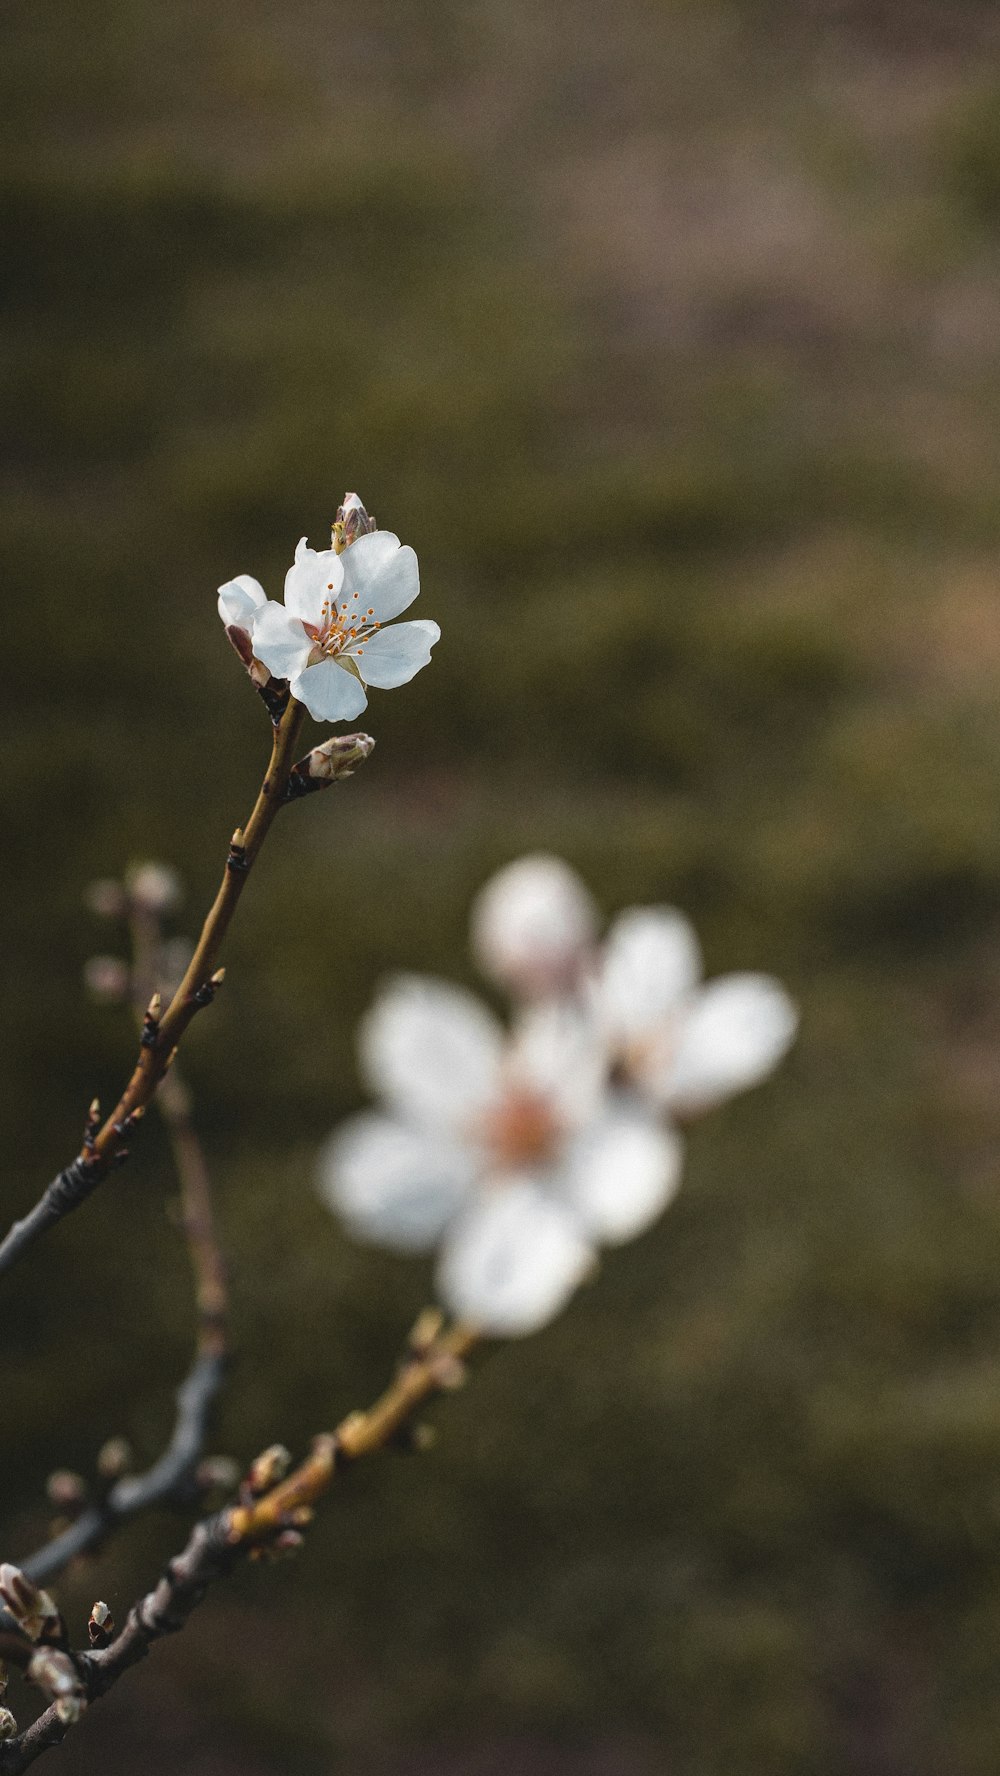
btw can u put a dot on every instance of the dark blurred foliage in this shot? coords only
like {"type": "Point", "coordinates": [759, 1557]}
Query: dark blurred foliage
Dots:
{"type": "Point", "coordinates": [667, 334]}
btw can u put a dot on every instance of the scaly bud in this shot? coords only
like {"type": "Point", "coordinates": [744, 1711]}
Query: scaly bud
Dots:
{"type": "Point", "coordinates": [329, 762]}
{"type": "Point", "coordinates": [100, 1625]}
{"type": "Point", "coordinates": [106, 979]}
{"type": "Point", "coordinates": [55, 1673]}
{"type": "Point", "coordinates": [8, 1725]}
{"type": "Point", "coordinates": [115, 1458]}
{"type": "Point", "coordinates": [270, 1467]}
{"type": "Point", "coordinates": [106, 898]}
{"type": "Point", "coordinates": [351, 522]}
{"type": "Point", "coordinates": [32, 1609]}
{"type": "Point", "coordinates": [217, 1473]}
{"type": "Point", "coordinates": [154, 887]}
{"type": "Point", "coordinates": [66, 1491]}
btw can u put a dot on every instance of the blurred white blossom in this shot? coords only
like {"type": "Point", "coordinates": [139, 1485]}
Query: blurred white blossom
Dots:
{"type": "Point", "coordinates": [519, 1154]}
{"type": "Point", "coordinates": [534, 925]}
{"type": "Point", "coordinates": [329, 638]}
{"type": "Point", "coordinates": [687, 1045]}
{"type": "Point", "coordinates": [507, 1151]}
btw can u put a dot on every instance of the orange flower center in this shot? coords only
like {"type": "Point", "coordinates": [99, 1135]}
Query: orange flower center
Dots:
{"type": "Point", "coordinates": [521, 1128]}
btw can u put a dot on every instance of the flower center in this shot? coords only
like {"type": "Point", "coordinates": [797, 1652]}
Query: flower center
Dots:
{"type": "Point", "coordinates": [521, 1129]}
{"type": "Point", "coordinates": [342, 627]}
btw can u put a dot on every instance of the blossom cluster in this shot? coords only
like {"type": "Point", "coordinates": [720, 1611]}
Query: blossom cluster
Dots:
{"type": "Point", "coordinates": [517, 1153]}
{"type": "Point", "coordinates": [328, 638]}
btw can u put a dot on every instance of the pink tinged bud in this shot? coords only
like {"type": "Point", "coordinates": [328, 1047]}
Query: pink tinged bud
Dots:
{"type": "Point", "coordinates": [351, 522]}
{"type": "Point", "coordinates": [106, 898]}
{"type": "Point", "coordinates": [65, 1490]}
{"type": "Point", "coordinates": [115, 1459]}
{"type": "Point", "coordinates": [106, 979]}
{"type": "Point", "coordinates": [154, 887]}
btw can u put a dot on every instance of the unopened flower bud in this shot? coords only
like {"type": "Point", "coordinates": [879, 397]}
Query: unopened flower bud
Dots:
{"type": "Point", "coordinates": [115, 1458]}
{"type": "Point", "coordinates": [351, 522]}
{"type": "Point", "coordinates": [329, 762]}
{"type": "Point", "coordinates": [288, 1541]}
{"type": "Point", "coordinates": [105, 897]}
{"type": "Point", "coordinates": [8, 1725]}
{"type": "Point", "coordinates": [54, 1672]}
{"type": "Point", "coordinates": [424, 1330]}
{"type": "Point", "coordinates": [270, 1466]}
{"type": "Point", "coordinates": [153, 886]}
{"type": "Point", "coordinates": [32, 1609]}
{"type": "Point", "coordinates": [106, 979]}
{"type": "Point", "coordinates": [101, 1625]}
{"type": "Point", "coordinates": [217, 1473]}
{"type": "Point", "coordinates": [66, 1491]}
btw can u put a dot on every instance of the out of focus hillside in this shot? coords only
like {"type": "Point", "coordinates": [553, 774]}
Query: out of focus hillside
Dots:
{"type": "Point", "coordinates": [667, 334]}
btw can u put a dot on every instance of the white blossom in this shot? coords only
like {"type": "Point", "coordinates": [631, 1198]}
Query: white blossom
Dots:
{"type": "Point", "coordinates": [506, 1151]}
{"type": "Point", "coordinates": [687, 1045]}
{"type": "Point", "coordinates": [533, 926]}
{"type": "Point", "coordinates": [329, 637]}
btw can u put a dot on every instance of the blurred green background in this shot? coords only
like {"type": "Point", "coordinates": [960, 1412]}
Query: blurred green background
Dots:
{"type": "Point", "coordinates": [667, 334]}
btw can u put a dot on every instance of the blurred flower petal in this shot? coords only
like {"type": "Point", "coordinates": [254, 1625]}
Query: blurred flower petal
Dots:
{"type": "Point", "coordinates": [736, 1032]}
{"type": "Point", "coordinates": [651, 964]}
{"type": "Point", "coordinates": [511, 1262]}
{"type": "Point", "coordinates": [433, 1051]}
{"type": "Point", "coordinates": [533, 924]}
{"type": "Point", "coordinates": [621, 1172]}
{"type": "Point", "coordinates": [395, 1185]}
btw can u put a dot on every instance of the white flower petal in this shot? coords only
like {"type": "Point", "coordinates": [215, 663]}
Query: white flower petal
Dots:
{"type": "Point", "coordinates": [315, 578]}
{"type": "Point", "coordinates": [433, 1050]}
{"type": "Point", "coordinates": [510, 1263]}
{"type": "Point", "coordinates": [620, 1173]}
{"type": "Point", "coordinates": [533, 925]}
{"type": "Point", "coordinates": [280, 641]}
{"type": "Point", "coordinates": [651, 963]}
{"type": "Point", "coordinates": [556, 1052]}
{"type": "Point", "coordinates": [383, 574]}
{"type": "Point", "coordinates": [329, 691]}
{"type": "Point", "coordinates": [240, 600]}
{"type": "Point", "coordinates": [736, 1032]}
{"type": "Point", "coordinates": [394, 656]}
{"type": "Point", "coordinates": [393, 1185]}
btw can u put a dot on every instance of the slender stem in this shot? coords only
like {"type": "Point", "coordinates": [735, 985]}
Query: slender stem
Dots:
{"type": "Point", "coordinates": [104, 1147]}
{"type": "Point", "coordinates": [173, 1101]}
{"type": "Point", "coordinates": [218, 1543]}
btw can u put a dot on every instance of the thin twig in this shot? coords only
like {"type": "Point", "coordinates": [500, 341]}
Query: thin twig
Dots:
{"type": "Point", "coordinates": [173, 1101]}
{"type": "Point", "coordinates": [215, 1545]}
{"type": "Point", "coordinates": [169, 1478]}
{"type": "Point", "coordinates": [104, 1146]}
